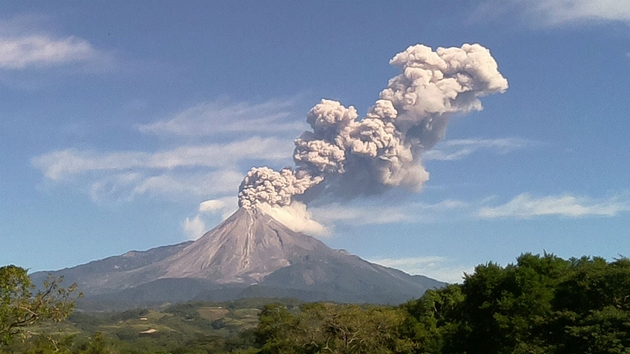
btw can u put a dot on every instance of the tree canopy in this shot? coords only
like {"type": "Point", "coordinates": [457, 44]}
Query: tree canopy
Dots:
{"type": "Point", "coordinates": [331, 328]}
{"type": "Point", "coordinates": [540, 304]}
{"type": "Point", "coordinates": [21, 307]}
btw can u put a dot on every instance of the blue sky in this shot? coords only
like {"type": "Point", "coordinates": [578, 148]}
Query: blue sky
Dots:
{"type": "Point", "coordinates": [120, 120]}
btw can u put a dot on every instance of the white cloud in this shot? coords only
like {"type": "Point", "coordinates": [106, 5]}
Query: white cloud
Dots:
{"type": "Point", "coordinates": [567, 11]}
{"type": "Point", "coordinates": [525, 206]}
{"type": "Point", "coordinates": [59, 165]}
{"type": "Point", "coordinates": [559, 12]}
{"type": "Point", "coordinates": [219, 117]}
{"type": "Point", "coordinates": [187, 171]}
{"type": "Point", "coordinates": [190, 184]}
{"type": "Point", "coordinates": [439, 268]}
{"type": "Point", "coordinates": [42, 51]}
{"type": "Point", "coordinates": [211, 206]}
{"type": "Point", "coordinates": [375, 214]}
{"type": "Point", "coordinates": [355, 215]}
{"type": "Point", "coordinates": [24, 44]}
{"type": "Point", "coordinates": [225, 206]}
{"type": "Point", "coordinates": [297, 218]}
{"type": "Point", "coordinates": [195, 227]}
{"type": "Point", "coordinates": [176, 186]}
{"type": "Point", "coordinates": [320, 221]}
{"type": "Point", "coordinates": [202, 170]}
{"type": "Point", "coordinates": [457, 149]}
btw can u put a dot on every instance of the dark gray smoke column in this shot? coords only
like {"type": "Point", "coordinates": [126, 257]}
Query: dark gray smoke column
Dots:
{"type": "Point", "coordinates": [384, 148]}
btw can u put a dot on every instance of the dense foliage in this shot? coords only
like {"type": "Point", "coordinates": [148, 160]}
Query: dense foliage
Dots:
{"type": "Point", "coordinates": [540, 304]}
{"type": "Point", "coordinates": [21, 309]}
{"type": "Point", "coordinates": [332, 328]}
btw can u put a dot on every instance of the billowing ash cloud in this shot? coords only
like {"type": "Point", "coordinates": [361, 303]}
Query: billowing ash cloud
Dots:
{"type": "Point", "coordinates": [263, 185]}
{"type": "Point", "coordinates": [354, 157]}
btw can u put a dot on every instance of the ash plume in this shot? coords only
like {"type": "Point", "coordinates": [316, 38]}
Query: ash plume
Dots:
{"type": "Point", "coordinates": [359, 156]}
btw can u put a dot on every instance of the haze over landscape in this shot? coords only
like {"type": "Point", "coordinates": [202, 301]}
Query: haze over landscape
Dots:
{"type": "Point", "coordinates": [132, 126]}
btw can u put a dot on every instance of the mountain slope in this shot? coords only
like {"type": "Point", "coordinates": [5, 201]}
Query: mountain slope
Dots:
{"type": "Point", "coordinates": [245, 248]}
{"type": "Point", "coordinates": [93, 275]}
{"type": "Point", "coordinates": [250, 254]}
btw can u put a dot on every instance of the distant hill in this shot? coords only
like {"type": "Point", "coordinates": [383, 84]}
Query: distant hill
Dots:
{"type": "Point", "coordinates": [250, 254]}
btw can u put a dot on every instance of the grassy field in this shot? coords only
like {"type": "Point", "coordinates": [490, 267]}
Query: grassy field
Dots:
{"type": "Point", "coordinates": [181, 328]}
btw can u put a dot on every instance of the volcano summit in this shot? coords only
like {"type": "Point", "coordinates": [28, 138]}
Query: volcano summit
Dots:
{"type": "Point", "coordinates": [250, 254]}
{"type": "Point", "coordinates": [345, 156]}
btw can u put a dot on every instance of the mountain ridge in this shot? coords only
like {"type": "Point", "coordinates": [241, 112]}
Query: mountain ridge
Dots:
{"type": "Point", "coordinates": [250, 254]}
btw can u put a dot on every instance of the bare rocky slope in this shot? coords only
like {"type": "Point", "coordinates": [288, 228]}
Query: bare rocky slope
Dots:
{"type": "Point", "coordinates": [250, 254]}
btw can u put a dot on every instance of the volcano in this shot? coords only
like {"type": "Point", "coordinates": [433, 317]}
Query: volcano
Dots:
{"type": "Point", "coordinates": [245, 248]}
{"type": "Point", "coordinates": [250, 254]}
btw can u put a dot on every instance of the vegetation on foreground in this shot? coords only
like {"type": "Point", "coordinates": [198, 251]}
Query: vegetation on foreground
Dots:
{"type": "Point", "coordinates": [540, 304]}
{"type": "Point", "coordinates": [21, 309]}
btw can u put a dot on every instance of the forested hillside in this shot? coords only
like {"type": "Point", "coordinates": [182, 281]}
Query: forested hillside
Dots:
{"type": "Point", "coordinates": [540, 304]}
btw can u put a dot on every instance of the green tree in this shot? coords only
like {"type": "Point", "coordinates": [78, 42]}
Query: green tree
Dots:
{"type": "Point", "coordinates": [541, 304]}
{"type": "Point", "coordinates": [277, 330]}
{"type": "Point", "coordinates": [21, 308]}
{"type": "Point", "coordinates": [592, 306]}
{"type": "Point", "coordinates": [434, 319]}
{"type": "Point", "coordinates": [97, 344]}
{"type": "Point", "coordinates": [330, 328]}
{"type": "Point", "coordinates": [506, 308]}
